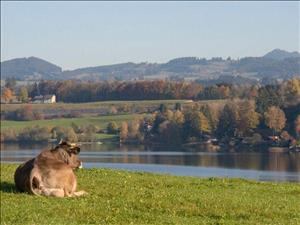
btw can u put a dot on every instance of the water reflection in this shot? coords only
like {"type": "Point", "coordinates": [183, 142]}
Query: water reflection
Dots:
{"type": "Point", "coordinates": [98, 155]}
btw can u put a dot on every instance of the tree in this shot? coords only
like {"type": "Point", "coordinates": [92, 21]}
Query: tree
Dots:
{"type": "Point", "coordinates": [10, 83]}
{"type": "Point", "coordinates": [163, 108]}
{"type": "Point", "coordinates": [248, 117]}
{"type": "Point", "coordinates": [124, 131]}
{"type": "Point", "coordinates": [292, 89]}
{"type": "Point", "coordinates": [297, 125]}
{"type": "Point", "coordinates": [169, 133]}
{"type": "Point", "coordinates": [65, 133]}
{"type": "Point", "coordinates": [212, 114]}
{"type": "Point", "coordinates": [113, 110]}
{"type": "Point", "coordinates": [178, 117]}
{"type": "Point", "coordinates": [7, 94]}
{"type": "Point", "coordinates": [178, 106]}
{"type": "Point", "coordinates": [275, 118]}
{"type": "Point", "coordinates": [196, 124]}
{"type": "Point", "coordinates": [268, 96]}
{"type": "Point", "coordinates": [228, 121]}
{"type": "Point", "coordinates": [23, 95]}
{"type": "Point", "coordinates": [112, 127]}
{"type": "Point", "coordinates": [204, 126]}
{"type": "Point", "coordinates": [134, 130]}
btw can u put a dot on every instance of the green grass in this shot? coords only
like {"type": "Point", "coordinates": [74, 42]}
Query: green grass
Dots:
{"type": "Point", "coordinates": [118, 197]}
{"type": "Point", "coordinates": [100, 121]}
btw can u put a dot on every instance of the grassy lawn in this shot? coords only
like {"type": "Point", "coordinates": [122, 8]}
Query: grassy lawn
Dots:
{"type": "Point", "coordinates": [119, 197]}
{"type": "Point", "coordinates": [100, 121]}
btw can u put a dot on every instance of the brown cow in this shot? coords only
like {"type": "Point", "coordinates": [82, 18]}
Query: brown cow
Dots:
{"type": "Point", "coordinates": [51, 172]}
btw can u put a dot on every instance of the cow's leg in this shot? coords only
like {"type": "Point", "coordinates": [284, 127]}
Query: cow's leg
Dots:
{"type": "Point", "coordinates": [79, 193]}
{"type": "Point", "coordinates": [55, 192]}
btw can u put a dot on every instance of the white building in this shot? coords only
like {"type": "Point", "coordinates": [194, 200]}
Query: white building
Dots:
{"type": "Point", "coordinates": [44, 99]}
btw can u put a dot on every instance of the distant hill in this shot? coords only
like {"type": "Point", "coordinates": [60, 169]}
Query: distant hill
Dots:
{"type": "Point", "coordinates": [281, 54]}
{"type": "Point", "coordinates": [29, 68]}
{"type": "Point", "coordinates": [277, 64]}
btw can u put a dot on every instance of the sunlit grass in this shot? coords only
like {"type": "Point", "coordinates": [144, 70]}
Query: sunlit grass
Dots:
{"type": "Point", "coordinates": [100, 121]}
{"type": "Point", "coordinates": [92, 105]}
{"type": "Point", "coordinates": [119, 197]}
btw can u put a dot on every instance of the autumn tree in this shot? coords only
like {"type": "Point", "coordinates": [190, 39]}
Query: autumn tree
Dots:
{"type": "Point", "coordinates": [124, 131]}
{"type": "Point", "coordinates": [268, 96]}
{"type": "Point", "coordinates": [275, 118]}
{"type": "Point", "coordinates": [292, 89]}
{"type": "Point", "coordinates": [7, 94]}
{"type": "Point", "coordinates": [113, 110]}
{"type": "Point", "coordinates": [211, 112]}
{"type": "Point", "coordinates": [178, 117]}
{"type": "Point", "coordinates": [170, 133]}
{"type": "Point", "coordinates": [196, 124]}
{"type": "Point", "coordinates": [248, 118]}
{"type": "Point", "coordinates": [297, 125]}
{"type": "Point", "coordinates": [134, 130]}
{"type": "Point", "coordinates": [65, 133]}
{"type": "Point", "coordinates": [204, 126]}
{"type": "Point", "coordinates": [227, 127]}
{"type": "Point", "coordinates": [23, 95]}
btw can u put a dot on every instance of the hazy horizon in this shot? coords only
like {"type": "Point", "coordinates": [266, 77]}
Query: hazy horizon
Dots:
{"type": "Point", "coordinates": [82, 34]}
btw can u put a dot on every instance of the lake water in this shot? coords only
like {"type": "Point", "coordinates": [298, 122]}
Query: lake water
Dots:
{"type": "Point", "coordinates": [252, 165]}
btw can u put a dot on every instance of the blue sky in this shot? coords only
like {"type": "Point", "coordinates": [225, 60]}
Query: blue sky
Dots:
{"type": "Point", "coordinates": [79, 34]}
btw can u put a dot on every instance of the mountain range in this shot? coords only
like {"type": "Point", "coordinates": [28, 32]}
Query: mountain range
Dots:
{"type": "Point", "coordinates": [277, 64]}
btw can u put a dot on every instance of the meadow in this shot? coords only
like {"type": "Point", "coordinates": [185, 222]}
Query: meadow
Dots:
{"type": "Point", "coordinates": [95, 105]}
{"type": "Point", "coordinates": [100, 121]}
{"type": "Point", "coordinates": [121, 197]}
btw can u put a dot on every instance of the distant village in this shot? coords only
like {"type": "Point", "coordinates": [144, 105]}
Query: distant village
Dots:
{"type": "Point", "coordinates": [10, 96]}
{"type": "Point", "coordinates": [40, 99]}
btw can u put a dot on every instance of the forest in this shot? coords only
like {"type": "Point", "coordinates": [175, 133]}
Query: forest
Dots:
{"type": "Point", "coordinates": [247, 115]}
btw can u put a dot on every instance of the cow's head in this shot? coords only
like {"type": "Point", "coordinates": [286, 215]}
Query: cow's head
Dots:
{"type": "Point", "coordinates": [69, 153]}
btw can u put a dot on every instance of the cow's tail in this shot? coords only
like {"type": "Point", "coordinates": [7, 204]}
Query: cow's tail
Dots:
{"type": "Point", "coordinates": [34, 184]}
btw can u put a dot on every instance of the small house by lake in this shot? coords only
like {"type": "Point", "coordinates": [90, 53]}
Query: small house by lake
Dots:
{"type": "Point", "coordinates": [44, 99]}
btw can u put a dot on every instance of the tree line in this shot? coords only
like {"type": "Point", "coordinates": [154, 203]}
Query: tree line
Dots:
{"type": "Point", "coordinates": [83, 91]}
{"type": "Point", "coordinates": [237, 122]}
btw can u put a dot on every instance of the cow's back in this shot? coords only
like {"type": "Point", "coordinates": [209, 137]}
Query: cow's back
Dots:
{"type": "Point", "coordinates": [22, 175]}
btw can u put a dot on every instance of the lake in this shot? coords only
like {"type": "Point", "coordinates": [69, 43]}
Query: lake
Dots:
{"type": "Point", "coordinates": [249, 165]}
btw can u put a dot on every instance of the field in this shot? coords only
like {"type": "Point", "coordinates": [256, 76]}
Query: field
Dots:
{"type": "Point", "coordinates": [119, 197]}
{"type": "Point", "coordinates": [100, 121]}
{"type": "Point", "coordinates": [93, 105]}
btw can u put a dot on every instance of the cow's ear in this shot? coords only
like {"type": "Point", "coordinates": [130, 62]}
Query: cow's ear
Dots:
{"type": "Point", "coordinates": [76, 150]}
{"type": "Point", "coordinates": [61, 143]}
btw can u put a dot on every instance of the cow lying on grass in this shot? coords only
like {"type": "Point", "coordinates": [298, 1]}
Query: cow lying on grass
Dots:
{"type": "Point", "coordinates": [51, 173]}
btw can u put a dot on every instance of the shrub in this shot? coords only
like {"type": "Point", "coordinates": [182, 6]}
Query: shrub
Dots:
{"type": "Point", "coordinates": [125, 108]}
{"type": "Point", "coordinates": [8, 135]}
{"type": "Point", "coordinates": [76, 128]}
{"type": "Point", "coordinates": [285, 136]}
{"type": "Point", "coordinates": [24, 114]}
{"type": "Point", "coordinates": [135, 130]}
{"type": "Point", "coordinates": [87, 137]}
{"type": "Point", "coordinates": [65, 133]}
{"type": "Point", "coordinates": [91, 128]}
{"type": "Point", "coordinates": [113, 110]}
{"type": "Point", "coordinates": [35, 134]}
